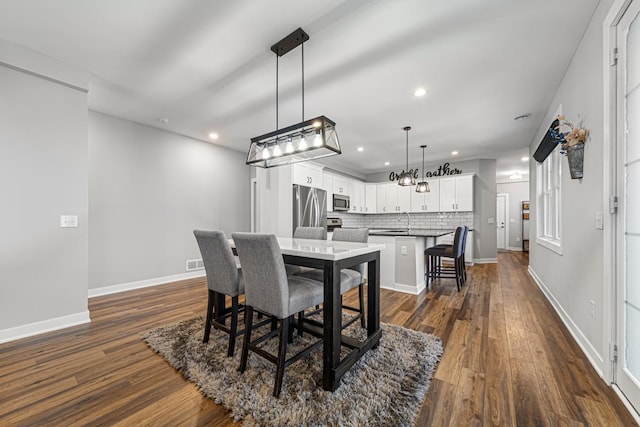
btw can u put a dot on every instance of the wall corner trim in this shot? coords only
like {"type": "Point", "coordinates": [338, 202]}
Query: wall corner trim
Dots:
{"type": "Point", "coordinates": [123, 287]}
{"type": "Point", "coordinates": [585, 345]}
{"type": "Point", "coordinates": [44, 326]}
{"type": "Point", "coordinates": [485, 260]}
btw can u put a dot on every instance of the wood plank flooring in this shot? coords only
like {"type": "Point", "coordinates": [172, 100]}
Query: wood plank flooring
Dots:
{"type": "Point", "coordinates": [508, 360]}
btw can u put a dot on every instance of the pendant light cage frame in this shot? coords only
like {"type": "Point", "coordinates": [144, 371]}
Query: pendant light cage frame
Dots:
{"type": "Point", "coordinates": [406, 177]}
{"type": "Point", "coordinates": [308, 140]}
{"type": "Point", "coordinates": [423, 186]}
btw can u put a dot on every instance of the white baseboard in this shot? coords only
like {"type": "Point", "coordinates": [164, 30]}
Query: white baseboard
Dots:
{"type": "Point", "coordinates": [626, 403]}
{"type": "Point", "coordinates": [43, 326]}
{"type": "Point", "coordinates": [407, 289]}
{"type": "Point", "coordinates": [589, 351]}
{"type": "Point", "coordinates": [485, 260]}
{"type": "Point", "coordinates": [515, 248]}
{"type": "Point", "coordinates": [106, 290]}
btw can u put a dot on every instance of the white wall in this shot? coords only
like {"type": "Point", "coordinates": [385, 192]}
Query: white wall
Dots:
{"type": "Point", "coordinates": [148, 190]}
{"type": "Point", "coordinates": [43, 174]}
{"type": "Point", "coordinates": [518, 192]}
{"type": "Point", "coordinates": [576, 277]}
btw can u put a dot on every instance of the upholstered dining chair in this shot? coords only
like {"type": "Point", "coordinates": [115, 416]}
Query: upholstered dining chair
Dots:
{"type": "Point", "coordinates": [269, 290]}
{"type": "Point", "coordinates": [224, 278]}
{"type": "Point", "coordinates": [462, 262]}
{"type": "Point", "coordinates": [349, 277]}
{"type": "Point", "coordinates": [314, 233]}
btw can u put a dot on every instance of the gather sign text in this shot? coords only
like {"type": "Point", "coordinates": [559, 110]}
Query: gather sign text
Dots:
{"type": "Point", "coordinates": [442, 170]}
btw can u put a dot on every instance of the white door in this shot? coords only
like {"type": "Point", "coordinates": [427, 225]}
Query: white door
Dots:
{"type": "Point", "coordinates": [501, 220]}
{"type": "Point", "coordinates": [627, 371]}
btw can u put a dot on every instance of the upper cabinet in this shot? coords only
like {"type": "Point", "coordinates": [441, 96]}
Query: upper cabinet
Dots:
{"type": "Point", "coordinates": [395, 198]}
{"type": "Point", "coordinates": [427, 202]}
{"type": "Point", "coordinates": [357, 197]}
{"type": "Point", "coordinates": [456, 193]}
{"type": "Point", "coordinates": [307, 174]}
{"type": "Point", "coordinates": [370, 196]}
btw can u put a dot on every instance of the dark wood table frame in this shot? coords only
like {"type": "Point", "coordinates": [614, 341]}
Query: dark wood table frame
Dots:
{"type": "Point", "coordinates": [333, 366]}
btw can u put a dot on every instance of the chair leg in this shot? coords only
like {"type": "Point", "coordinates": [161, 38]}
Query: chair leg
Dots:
{"type": "Point", "coordinates": [300, 321]}
{"type": "Point", "coordinates": [234, 326]}
{"type": "Point", "coordinates": [363, 322]}
{"type": "Point", "coordinates": [247, 338]}
{"type": "Point", "coordinates": [458, 274]}
{"type": "Point", "coordinates": [207, 325]}
{"type": "Point", "coordinates": [282, 353]}
{"type": "Point", "coordinates": [290, 334]}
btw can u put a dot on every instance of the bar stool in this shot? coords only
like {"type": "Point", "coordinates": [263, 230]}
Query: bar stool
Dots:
{"type": "Point", "coordinates": [434, 255]}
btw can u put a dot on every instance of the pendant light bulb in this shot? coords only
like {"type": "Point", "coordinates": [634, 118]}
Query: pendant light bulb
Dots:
{"type": "Point", "coordinates": [318, 139]}
{"type": "Point", "coordinates": [303, 143]}
{"type": "Point", "coordinates": [277, 152]}
{"type": "Point", "coordinates": [289, 148]}
{"type": "Point", "coordinates": [265, 153]}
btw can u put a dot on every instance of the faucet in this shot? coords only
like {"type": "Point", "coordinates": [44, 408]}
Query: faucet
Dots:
{"type": "Point", "coordinates": [408, 221]}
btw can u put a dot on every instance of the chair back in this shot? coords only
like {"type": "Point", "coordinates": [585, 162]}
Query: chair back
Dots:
{"type": "Point", "coordinates": [357, 235]}
{"type": "Point", "coordinates": [316, 233]}
{"type": "Point", "coordinates": [219, 262]}
{"type": "Point", "coordinates": [464, 239]}
{"type": "Point", "coordinates": [265, 278]}
{"type": "Point", "coordinates": [458, 242]}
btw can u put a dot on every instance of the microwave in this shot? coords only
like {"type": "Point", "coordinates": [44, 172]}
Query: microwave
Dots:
{"type": "Point", "coordinates": [341, 202]}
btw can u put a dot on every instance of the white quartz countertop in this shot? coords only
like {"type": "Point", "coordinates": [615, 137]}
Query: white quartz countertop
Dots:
{"type": "Point", "coordinates": [324, 249]}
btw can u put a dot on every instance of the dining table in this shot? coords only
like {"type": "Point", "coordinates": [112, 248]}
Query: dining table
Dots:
{"type": "Point", "coordinates": [340, 351]}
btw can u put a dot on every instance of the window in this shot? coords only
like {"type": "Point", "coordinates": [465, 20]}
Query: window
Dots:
{"type": "Point", "coordinates": [549, 230]}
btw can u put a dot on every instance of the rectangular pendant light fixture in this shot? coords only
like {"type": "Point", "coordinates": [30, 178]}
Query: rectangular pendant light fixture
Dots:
{"type": "Point", "coordinates": [308, 140]}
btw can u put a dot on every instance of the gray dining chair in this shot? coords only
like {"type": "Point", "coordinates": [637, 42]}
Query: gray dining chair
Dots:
{"type": "Point", "coordinates": [269, 290]}
{"type": "Point", "coordinates": [224, 278]}
{"type": "Point", "coordinates": [314, 233]}
{"type": "Point", "coordinates": [349, 277]}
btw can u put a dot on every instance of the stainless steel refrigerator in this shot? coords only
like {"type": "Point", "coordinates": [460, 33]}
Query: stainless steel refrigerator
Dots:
{"type": "Point", "coordinates": [309, 207]}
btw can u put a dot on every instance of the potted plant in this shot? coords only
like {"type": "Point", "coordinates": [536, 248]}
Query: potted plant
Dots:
{"type": "Point", "coordinates": [572, 144]}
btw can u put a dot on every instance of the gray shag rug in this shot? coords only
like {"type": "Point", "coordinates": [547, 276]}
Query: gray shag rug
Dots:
{"type": "Point", "coordinates": [384, 388]}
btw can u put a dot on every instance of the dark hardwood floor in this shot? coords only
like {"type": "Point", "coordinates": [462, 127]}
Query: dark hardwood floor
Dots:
{"type": "Point", "coordinates": [508, 360]}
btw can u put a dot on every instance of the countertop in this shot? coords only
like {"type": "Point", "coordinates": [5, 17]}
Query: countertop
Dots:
{"type": "Point", "coordinates": [412, 232]}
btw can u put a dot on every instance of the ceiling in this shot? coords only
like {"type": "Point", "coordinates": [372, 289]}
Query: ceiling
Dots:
{"type": "Point", "coordinates": [206, 66]}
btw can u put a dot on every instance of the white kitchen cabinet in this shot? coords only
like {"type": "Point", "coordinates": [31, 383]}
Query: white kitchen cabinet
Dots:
{"type": "Point", "coordinates": [327, 185]}
{"type": "Point", "coordinates": [308, 175]}
{"type": "Point", "coordinates": [427, 202]}
{"type": "Point", "coordinates": [381, 198]}
{"type": "Point", "coordinates": [456, 193]}
{"type": "Point", "coordinates": [397, 198]}
{"type": "Point", "coordinates": [340, 185]}
{"type": "Point", "coordinates": [370, 198]}
{"type": "Point", "coordinates": [357, 197]}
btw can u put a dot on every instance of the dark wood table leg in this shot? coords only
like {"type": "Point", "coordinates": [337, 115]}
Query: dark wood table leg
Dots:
{"type": "Point", "coordinates": [332, 325]}
{"type": "Point", "coordinates": [373, 296]}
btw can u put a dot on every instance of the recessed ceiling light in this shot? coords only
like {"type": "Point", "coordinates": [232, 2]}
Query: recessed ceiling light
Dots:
{"type": "Point", "coordinates": [386, 163]}
{"type": "Point", "coordinates": [163, 120]}
{"type": "Point", "coordinates": [214, 135]}
{"type": "Point", "coordinates": [454, 153]}
{"type": "Point", "coordinates": [524, 159]}
{"type": "Point", "coordinates": [420, 92]}
{"type": "Point", "coordinates": [360, 149]}
{"type": "Point", "coordinates": [522, 117]}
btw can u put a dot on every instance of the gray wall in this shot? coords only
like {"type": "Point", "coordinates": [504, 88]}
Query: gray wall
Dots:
{"type": "Point", "coordinates": [43, 174]}
{"type": "Point", "coordinates": [148, 190]}
{"type": "Point", "coordinates": [577, 276]}
{"type": "Point", "coordinates": [518, 192]}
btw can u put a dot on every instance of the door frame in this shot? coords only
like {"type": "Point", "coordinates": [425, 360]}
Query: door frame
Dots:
{"type": "Point", "coordinates": [506, 219]}
{"type": "Point", "coordinates": [610, 188]}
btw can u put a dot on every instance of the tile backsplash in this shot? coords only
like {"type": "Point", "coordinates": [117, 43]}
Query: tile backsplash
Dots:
{"type": "Point", "coordinates": [434, 220]}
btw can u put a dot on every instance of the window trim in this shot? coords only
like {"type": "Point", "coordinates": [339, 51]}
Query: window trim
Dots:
{"type": "Point", "coordinates": [552, 166]}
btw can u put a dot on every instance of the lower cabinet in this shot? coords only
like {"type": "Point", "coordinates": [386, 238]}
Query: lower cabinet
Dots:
{"type": "Point", "coordinates": [387, 260]}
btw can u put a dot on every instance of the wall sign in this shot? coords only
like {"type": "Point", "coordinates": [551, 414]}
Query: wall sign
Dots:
{"type": "Point", "coordinates": [442, 170]}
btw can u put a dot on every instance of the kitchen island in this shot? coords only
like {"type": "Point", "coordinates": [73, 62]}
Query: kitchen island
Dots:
{"type": "Point", "coordinates": [402, 266]}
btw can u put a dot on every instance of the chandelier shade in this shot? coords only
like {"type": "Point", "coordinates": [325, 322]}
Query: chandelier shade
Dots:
{"type": "Point", "coordinates": [308, 140]}
{"type": "Point", "coordinates": [423, 186]}
{"type": "Point", "coordinates": [406, 177]}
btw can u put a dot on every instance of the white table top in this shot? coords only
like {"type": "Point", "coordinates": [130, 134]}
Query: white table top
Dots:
{"type": "Point", "coordinates": [324, 249]}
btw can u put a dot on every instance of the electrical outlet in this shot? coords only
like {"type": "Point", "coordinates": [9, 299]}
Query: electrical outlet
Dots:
{"type": "Point", "coordinates": [403, 250]}
{"type": "Point", "coordinates": [517, 239]}
{"type": "Point", "coordinates": [68, 221]}
{"type": "Point", "coordinates": [593, 309]}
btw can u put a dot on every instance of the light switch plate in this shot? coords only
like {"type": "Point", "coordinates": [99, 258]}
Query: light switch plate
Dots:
{"type": "Point", "coordinates": [68, 221]}
{"type": "Point", "coordinates": [599, 221]}
{"type": "Point", "coordinates": [512, 220]}
{"type": "Point", "coordinates": [403, 250]}
{"type": "Point", "coordinates": [491, 220]}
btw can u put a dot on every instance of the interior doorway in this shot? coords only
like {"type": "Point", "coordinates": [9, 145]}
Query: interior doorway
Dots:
{"type": "Point", "coordinates": [502, 220]}
{"type": "Point", "coordinates": [627, 223]}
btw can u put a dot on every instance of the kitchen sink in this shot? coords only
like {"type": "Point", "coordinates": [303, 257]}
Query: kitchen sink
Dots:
{"type": "Point", "coordinates": [392, 232]}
